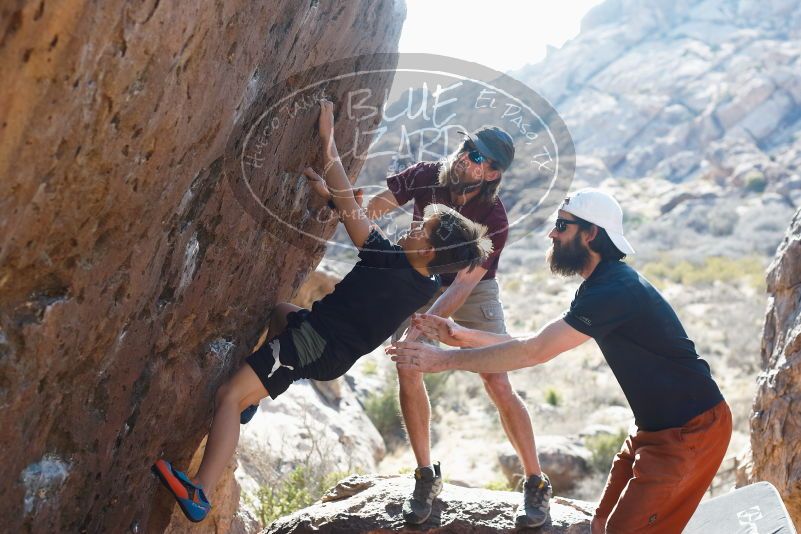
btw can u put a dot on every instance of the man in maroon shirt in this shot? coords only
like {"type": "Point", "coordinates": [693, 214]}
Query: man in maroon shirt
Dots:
{"type": "Point", "coordinates": [467, 181]}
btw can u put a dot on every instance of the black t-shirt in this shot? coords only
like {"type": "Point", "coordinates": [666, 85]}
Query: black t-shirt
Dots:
{"type": "Point", "coordinates": [372, 301]}
{"type": "Point", "coordinates": [656, 364]}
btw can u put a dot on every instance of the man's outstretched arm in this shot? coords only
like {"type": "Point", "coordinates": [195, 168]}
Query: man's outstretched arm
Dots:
{"type": "Point", "coordinates": [449, 332]}
{"type": "Point", "coordinates": [552, 340]}
{"type": "Point", "coordinates": [381, 204]}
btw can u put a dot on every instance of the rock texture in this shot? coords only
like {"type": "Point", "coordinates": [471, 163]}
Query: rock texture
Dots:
{"type": "Point", "coordinates": [776, 423]}
{"type": "Point", "coordinates": [131, 279]}
{"type": "Point", "coordinates": [305, 428]}
{"type": "Point", "coordinates": [565, 460]}
{"type": "Point", "coordinates": [373, 504]}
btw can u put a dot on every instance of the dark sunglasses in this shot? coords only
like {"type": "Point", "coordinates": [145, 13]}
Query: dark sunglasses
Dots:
{"type": "Point", "coordinates": [560, 225]}
{"type": "Point", "coordinates": [479, 158]}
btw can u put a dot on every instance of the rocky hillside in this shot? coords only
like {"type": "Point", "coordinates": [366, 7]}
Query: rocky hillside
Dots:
{"type": "Point", "coordinates": [133, 275]}
{"type": "Point", "coordinates": [691, 112]}
{"type": "Point", "coordinates": [688, 111]}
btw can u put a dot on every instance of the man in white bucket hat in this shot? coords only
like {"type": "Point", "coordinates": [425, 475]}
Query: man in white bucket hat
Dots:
{"type": "Point", "coordinates": [683, 423]}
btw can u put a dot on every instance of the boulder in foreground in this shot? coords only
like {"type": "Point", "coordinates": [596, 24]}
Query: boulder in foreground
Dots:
{"type": "Point", "coordinates": [372, 503]}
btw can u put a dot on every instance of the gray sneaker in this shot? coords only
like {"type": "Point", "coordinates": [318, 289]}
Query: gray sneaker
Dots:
{"type": "Point", "coordinates": [534, 511]}
{"type": "Point", "coordinates": [427, 485]}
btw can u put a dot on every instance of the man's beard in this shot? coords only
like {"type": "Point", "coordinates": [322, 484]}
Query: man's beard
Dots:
{"type": "Point", "coordinates": [454, 180]}
{"type": "Point", "coordinates": [568, 259]}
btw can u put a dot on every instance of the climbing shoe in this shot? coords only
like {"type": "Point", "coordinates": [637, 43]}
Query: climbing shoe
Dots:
{"type": "Point", "coordinates": [248, 413]}
{"type": "Point", "coordinates": [190, 496]}
{"type": "Point", "coordinates": [427, 485]}
{"type": "Point", "coordinates": [535, 509]}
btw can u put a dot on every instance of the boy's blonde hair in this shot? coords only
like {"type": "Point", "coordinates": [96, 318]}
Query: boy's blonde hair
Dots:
{"type": "Point", "coordinates": [458, 242]}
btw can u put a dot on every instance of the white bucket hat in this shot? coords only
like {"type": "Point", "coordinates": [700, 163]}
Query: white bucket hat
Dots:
{"type": "Point", "coordinates": [601, 209]}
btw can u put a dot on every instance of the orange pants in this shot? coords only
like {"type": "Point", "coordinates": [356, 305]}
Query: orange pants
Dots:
{"type": "Point", "coordinates": [658, 478]}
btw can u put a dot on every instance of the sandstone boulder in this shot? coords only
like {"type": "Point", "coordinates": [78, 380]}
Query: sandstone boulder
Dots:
{"type": "Point", "coordinates": [373, 504]}
{"type": "Point", "coordinates": [132, 279]}
{"type": "Point", "coordinates": [304, 428]}
{"type": "Point", "coordinates": [565, 460]}
{"type": "Point", "coordinates": [775, 423]}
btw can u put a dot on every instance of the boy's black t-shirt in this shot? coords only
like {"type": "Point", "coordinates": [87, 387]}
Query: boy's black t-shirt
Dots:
{"type": "Point", "coordinates": [662, 376]}
{"type": "Point", "coordinates": [372, 301]}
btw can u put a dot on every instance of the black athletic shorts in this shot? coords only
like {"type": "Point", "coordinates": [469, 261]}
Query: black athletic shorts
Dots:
{"type": "Point", "coordinates": [303, 353]}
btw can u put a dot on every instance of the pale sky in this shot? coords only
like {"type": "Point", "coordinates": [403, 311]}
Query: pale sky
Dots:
{"type": "Point", "coordinates": [500, 34]}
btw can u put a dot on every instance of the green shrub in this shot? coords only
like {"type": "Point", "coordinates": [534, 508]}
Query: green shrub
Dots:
{"type": "Point", "coordinates": [512, 285]}
{"type": "Point", "coordinates": [750, 269]}
{"type": "Point", "coordinates": [435, 385]}
{"type": "Point", "coordinates": [755, 182]}
{"type": "Point", "coordinates": [603, 448]}
{"type": "Point", "coordinates": [499, 485]}
{"type": "Point", "coordinates": [300, 488]}
{"type": "Point", "coordinates": [369, 367]}
{"type": "Point", "coordinates": [553, 397]}
{"type": "Point", "coordinates": [383, 407]}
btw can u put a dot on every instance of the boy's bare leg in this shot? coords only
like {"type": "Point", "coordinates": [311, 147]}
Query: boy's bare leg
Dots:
{"type": "Point", "coordinates": [278, 318]}
{"type": "Point", "coordinates": [416, 411]}
{"type": "Point", "coordinates": [242, 390]}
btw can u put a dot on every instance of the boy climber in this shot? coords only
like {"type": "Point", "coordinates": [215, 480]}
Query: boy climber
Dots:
{"type": "Point", "coordinates": [386, 286]}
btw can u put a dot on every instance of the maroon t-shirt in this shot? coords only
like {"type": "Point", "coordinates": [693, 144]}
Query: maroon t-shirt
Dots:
{"type": "Point", "coordinates": [419, 182]}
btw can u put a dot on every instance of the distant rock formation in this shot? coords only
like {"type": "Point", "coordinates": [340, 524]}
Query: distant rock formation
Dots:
{"type": "Point", "coordinates": [685, 110]}
{"type": "Point", "coordinates": [132, 281]}
{"type": "Point", "coordinates": [775, 423]}
{"type": "Point", "coordinates": [373, 504]}
{"type": "Point", "coordinates": [683, 90]}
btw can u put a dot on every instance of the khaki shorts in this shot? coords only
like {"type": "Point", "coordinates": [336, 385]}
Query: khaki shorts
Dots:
{"type": "Point", "coordinates": [481, 311]}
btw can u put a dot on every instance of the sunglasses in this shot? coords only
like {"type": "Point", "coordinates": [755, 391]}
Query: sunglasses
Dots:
{"type": "Point", "coordinates": [479, 158]}
{"type": "Point", "coordinates": [560, 225]}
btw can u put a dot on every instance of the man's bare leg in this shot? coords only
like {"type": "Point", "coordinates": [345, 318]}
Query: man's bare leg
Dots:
{"type": "Point", "coordinates": [515, 420]}
{"type": "Point", "coordinates": [242, 390]}
{"type": "Point", "coordinates": [416, 411]}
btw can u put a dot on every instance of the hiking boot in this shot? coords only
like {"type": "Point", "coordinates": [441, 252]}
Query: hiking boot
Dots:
{"type": "Point", "coordinates": [534, 511]}
{"type": "Point", "coordinates": [427, 485]}
{"type": "Point", "coordinates": [190, 496]}
{"type": "Point", "coordinates": [248, 413]}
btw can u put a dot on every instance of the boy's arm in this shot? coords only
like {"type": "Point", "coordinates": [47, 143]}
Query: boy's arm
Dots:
{"type": "Point", "coordinates": [356, 222]}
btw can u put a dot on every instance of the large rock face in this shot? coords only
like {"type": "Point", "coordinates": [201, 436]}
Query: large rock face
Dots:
{"type": "Point", "coordinates": [373, 504]}
{"type": "Point", "coordinates": [775, 423]}
{"type": "Point", "coordinates": [131, 279]}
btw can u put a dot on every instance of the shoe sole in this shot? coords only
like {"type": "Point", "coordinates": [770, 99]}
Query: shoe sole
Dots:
{"type": "Point", "coordinates": [423, 520]}
{"type": "Point", "coordinates": [409, 521]}
{"type": "Point", "coordinates": [518, 524]}
{"type": "Point", "coordinates": [172, 485]}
